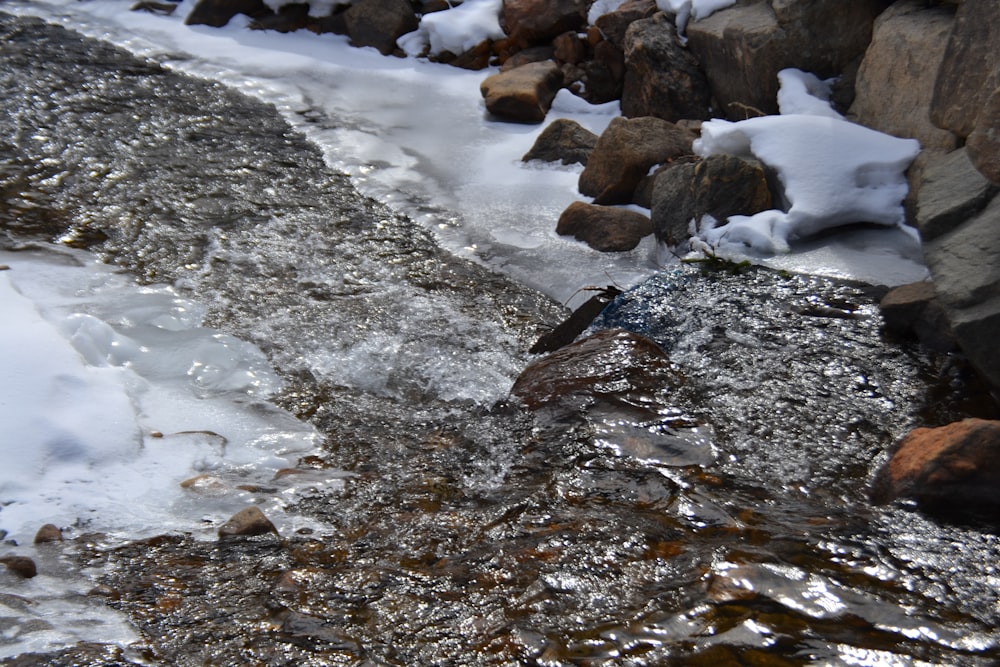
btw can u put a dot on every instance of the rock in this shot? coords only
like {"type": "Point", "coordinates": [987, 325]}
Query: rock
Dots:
{"type": "Point", "coordinates": [533, 22]}
{"type": "Point", "coordinates": [719, 185]}
{"type": "Point", "coordinates": [569, 48]}
{"type": "Point", "coordinates": [161, 8]}
{"type": "Point", "coordinates": [523, 94]}
{"type": "Point", "coordinates": [742, 48]}
{"type": "Point", "coordinates": [604, 74]}
{"type": "Point", "coordinates": [604, 228]}
{"type": "Point", "coordinates": [380, 23]}
{"type": "Point", "coordinates": [48, 533]}
{"type": "Point", "coordinates": [955, 468]}
{"type": "Point", "coordinates": [613, 25]}
{"type": "Point", "coordinates": [249, 521]}
{"type": "Point", "coordinates": [905, 53]}
{"type": "Point", "coordinates": [914, 311]}
{"type": "Point", "coordinates": [20, 565]}
{"type": "Point", "coordinates": [534, 54]}
{"type": "Point", "coordinates": [476, 58]}
{"type": "Point", "coordinates": [216, 13]}
{"type": "Point", "coordinates": [965, 266]}
{"type": "Point", "coordinates": [984, 142]}
{"type": "Point", "coordinates": [662, 78]}
{"type": "Point", "coordinates": [611, 364]}
{"type": "Point", "coordinates": [951, 191]}
{"type": "Point", "coordinates": [289, 18]}
{"type": "Point", "coordinates": [563, 140]}
{"type": "Point", "coordinates": [970, 70]}
{"type": "Point", "coordinates": [624, 154]}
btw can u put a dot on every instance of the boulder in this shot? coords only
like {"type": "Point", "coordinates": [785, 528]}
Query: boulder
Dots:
{"type": "Point", "coordinates": [905, 53]}
{"type": "Point", "coordinates": [719, 186]}
{"type": "Point", "coordinates": [954, 468]}
{"type": "Point", "coordinates": [534, 54]}
{"type": "Point", "coordinates": [951, 191]}
{"type": "Point", "coordinates": [914, 310]}
{"type": "Point", "coordinates": [523, 94]}
{"type": "Point", "coordinates": [624, 154]}
{"type": "Point", "coordinates": [662, 78]}
{"type": "Point", "coordinates": [533, 22]}
{"type": "Point", "coordinates": [569, 48]}
{"type": "Point", "coordinates": [613, 25]}
{"type": "Point", "coordinates": [604, 228]}
{"type": "Point", "coordinates": [742, 48]}
{"type": "Point", "coordinates": [20, 565]}
{"type": "Point", "coordinates": [289, 18]}
{"type": "Point", "coordinates": [380, 23]}
{"type": "Point", "coordinates": [984, 142]}
{"type": "Point", "coordinates": [563, 140]}
{"type": "Point", "coordinates": [249, 521]}
{"type": "Point", "coordinates": [604, 74]}
{"type": "Point", "coordinates": [970, 70]}
{"type": "Point", "coordinates": [216, 13]}
{"type": "Point", "coordinates": [48, 533]}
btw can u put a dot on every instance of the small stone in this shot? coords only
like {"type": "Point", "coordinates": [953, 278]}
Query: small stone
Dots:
{"type": "Point", "coordinates": [20, 565]}
{"type": "Point", "coordinates": [249, 521]}
{"type": "Point", "coordinates": [604, 228]}
{"type": "Point", "coordinates": [48, 533]}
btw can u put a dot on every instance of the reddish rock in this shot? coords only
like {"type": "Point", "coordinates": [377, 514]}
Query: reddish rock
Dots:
{"type": "Point", "coordinates": [249, 521]}
{"type": "Point", "coordinates": [613, 25]}
{"type": "Point", "coordinates": [523, 94]}
{"type": "Point", "coordinates": [569, 48]}
{"type": "Point", "coordinates": [217, 13]}
{"type": "Point", "coordinates": [955, 468]}
{"type": "Point", "coordinates": [48, 533]}
{"type": "Point", "coordinates": [604, 228]}
{"type": "Point", "coordinates": [533, 22]}
{"type": "Point", "coordinates": [380, 23]}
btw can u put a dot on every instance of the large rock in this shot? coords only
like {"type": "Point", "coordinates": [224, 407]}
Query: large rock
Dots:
{"type": "Point", "coordinates": [624, 154]}
{"type": "Point", "coordinates": [662, 78]}
{"type": "Point", "coordinates": [742, 48]}
{"type": "Point", "coordinates": [984, 142]}
{"type": "Point", "coordinates": [380, 23]}
{"type": "Point", "coordinates": [523, 94]}
{"type": "Point", "coordinates": [604, 74]}
{"type": "Point", "coordinates": [951, 191]}
{"type": "Point", "coordinates": [217, 13]}
{"type": "Point", "coordinates": [719, 186]}
{"type": "Point", "coordinates": [564, 141]}
{"type": "Point", "coordinates": [907, 47]}
{"type": "Point", "coordinates": [533, 22]}
{"type": "Point", "coordinates": [604, 228]}
{"type": "Point", "coordinates": [614, 25]}
{"type": "Point", "coordinates": [954, 468]}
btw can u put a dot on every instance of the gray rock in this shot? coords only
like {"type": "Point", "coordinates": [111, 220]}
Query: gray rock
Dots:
{"type": "Point", "coordinates": [984, 142]}
{"type": "Point", "coordinates": [564, 141]}
{"type": "Point", "coordinates": [952, 190]}
{"type": "Point", "coordinates": [914, 311]}
{"type": "Point", "coordinates": [604, 228]}
{"type": "Point", "coordinates": [523, 94]}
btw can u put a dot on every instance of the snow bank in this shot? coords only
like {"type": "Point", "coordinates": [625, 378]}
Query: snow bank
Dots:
{"type": "Point", "coordinates": [833, 172]}
{"type": "Point", "coordinates": [456, 30]}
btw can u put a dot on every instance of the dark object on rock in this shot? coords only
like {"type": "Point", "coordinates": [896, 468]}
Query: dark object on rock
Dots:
{"type": "Point", "coordinates": [533, 22]}
{"type": "Point", "coordinates": [574, 325]}
{"type": "Point", "coordinates": [162, 8]}
{"type": "Point", "coordinates": [951, 192]}
{"type": "Point", "coordinates": [380, 23]}
{"type": "Point", "coordinates": [604, 228]}
{"type": "Point", "coordinates": [719, 186]}
{"type": "Point", "coordinates": [20, 565]}
{"type": "Point", "coordinates": [914, 310]}
{"type": "Point", "coordinates": [953, 469]}
{"type": "Point", "coordinates": [216, 13]}
{"type": "Point", "coordinates": [613, 364]}
{"type": "Point", "coordinates": [523, 94]}
{"type": "Point", "coordinates": [48, 533]}
{"type": "Point", "coordinates": [564, 140]}
{"type": "Point", "coordinates": [624, 154]}
{"type": "Point", "coordinates": [249, 521]}
{"type": "Point", "coordinates": [662, 78]}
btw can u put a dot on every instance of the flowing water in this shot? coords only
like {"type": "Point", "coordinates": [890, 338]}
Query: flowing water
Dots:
{"type": "Point", "coordinates": [718, 517]}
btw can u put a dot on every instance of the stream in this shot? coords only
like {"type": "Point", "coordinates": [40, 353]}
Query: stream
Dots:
{"type": "Point", "coordinates": [719, 517]}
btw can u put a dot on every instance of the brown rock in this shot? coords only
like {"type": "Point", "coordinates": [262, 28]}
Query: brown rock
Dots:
{"type": "Point", "coordinates": [604, 74]}
{"type": "Point", "coordinates": [20, 565]}
{"type": "Point", "coordinates": [249, 521]}
{"type": "Point", "coordinates": [984, 142]}
{"type": "Point", "coordinates": [914, 310]}
{"type": "Point", "coordinates": [524, 94]}
{"type": "Point", "coordinates": [613, 25]}
{"type": "Point", "coordinates": [624, 154]}
{"type": "Point", "coordinates": [289, 18]}
{"type": "Point", "coordinates": [534, 22]}
{"type": "Point", "coordinates": [604, 228]}
{"type": "Point", "coordinates": [380, 23]}
{"type": "Point", "coordinates": [904, 56]}
{"type": "Point", "coordinates": [476, 58]}
{"type": "Point", "coordinates": [563, 140]}
{"type": "Point", "coordinates": [534, 54]}
{"type": "Point", "coordinates": [954, 468]}
{"type": "Point", "coordinates": [662, 78]}
{"type": "Point", "coordinates": [216, 13]}
{"type": "Point", "coordinates": [569, 48]}
{"type": "Point", "coordinates": [48, 533]}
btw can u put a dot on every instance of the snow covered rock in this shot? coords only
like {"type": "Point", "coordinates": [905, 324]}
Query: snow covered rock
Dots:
{"type": "Point", "coordinates": [604, 228]}
{"type": "Point", "coordinates": [523, 94]}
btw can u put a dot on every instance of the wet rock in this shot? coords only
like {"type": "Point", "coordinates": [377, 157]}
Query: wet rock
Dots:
{"type": "Point", "coordinates": [533, 22]}
{"type": "Point", "coordinates": [719, 186]}
{"type": "Point", "coordinates": [379, 23]}
{"type": "Point", "coordinates": [662, 78]}
{"type": "Point", "coordinates": [20, 565]}
{"type": "Point", "coordinates": [611, 363]}
{"type": "Point", "coordinates": [217, 13]}
{"type": "Point", "coordinates": [563, 140]}
{"type": "Point", "coordinates": [624, 154]}
{"type": "Point", "coordinates": [969, 71]}
{"type": "Point", "coordinates": [951, 191]}
{"type": "Point", "coordinates": [48, 533]}
{"type": "Point", "coordinates": [613, 25]}
{"type": "Point", "coordinates": [907, 47]}
{"type": "Point", "coordinates": [742, 48]}
{"type": "Point", "coordinates": [523, 94]}
{"type": "Point", "coordinates": [914, 311]}
{"type": "Point", "coordinates": [955, 468]}
{"type": "Point", "coordinates": [161, 8]}
{"type": "Point", "coordinates": [604, 228]}
{"type": "Point", "coordinates": [249, 521]}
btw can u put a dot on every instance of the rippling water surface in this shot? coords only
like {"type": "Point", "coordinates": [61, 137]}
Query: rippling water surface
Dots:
{"type": "Point", "coordinates": [719, 518]}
